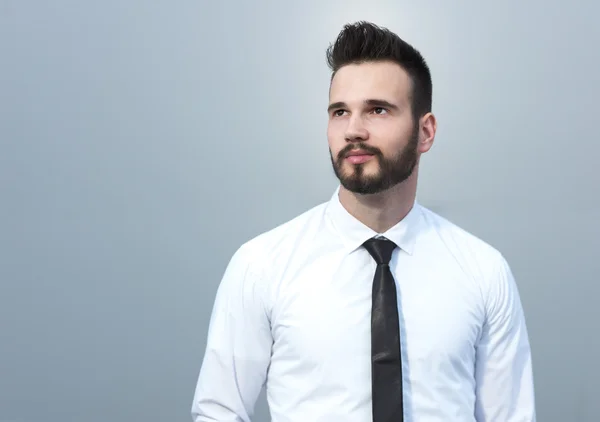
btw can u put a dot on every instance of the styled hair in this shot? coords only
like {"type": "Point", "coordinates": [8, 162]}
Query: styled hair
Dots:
{"type": "Point", "coordinates": [363, 42]}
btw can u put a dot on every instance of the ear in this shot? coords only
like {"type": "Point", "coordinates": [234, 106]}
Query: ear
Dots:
{"type": "Point", "coordinates": [427, 129]}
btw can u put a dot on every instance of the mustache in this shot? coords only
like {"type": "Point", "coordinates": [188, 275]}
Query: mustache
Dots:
{"type": "Point", "coordinates": [360, 146]}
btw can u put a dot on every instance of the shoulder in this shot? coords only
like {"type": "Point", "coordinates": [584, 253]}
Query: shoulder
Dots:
{"type": "Point", "coordinates": [479, 260]}
{"type": "Point", "coordinates": [265, 247]}
{"type": "Point", "coordinates": [460, 241]}
{"type": "Point", "coordinates": [248, 274]}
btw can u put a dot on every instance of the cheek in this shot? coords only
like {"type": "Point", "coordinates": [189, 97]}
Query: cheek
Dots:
{"type": "Point", "coordinates": [391, 138]}
{"type": "Point", "coordinates": [335, 137]}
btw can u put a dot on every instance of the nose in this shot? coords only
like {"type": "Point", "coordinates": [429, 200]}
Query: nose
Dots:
{"type": "Point", "coordinates": [356, 130]}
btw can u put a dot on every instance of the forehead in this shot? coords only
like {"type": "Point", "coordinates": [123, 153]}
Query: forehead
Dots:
{"type": "Point", "coordinates": [372, 80]}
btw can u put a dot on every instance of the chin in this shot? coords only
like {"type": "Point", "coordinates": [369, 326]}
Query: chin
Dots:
{"type": "Point", "coordinates": [365, 191]}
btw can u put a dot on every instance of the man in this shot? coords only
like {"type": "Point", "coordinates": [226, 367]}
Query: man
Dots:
{"type": "Point", "coordinates": [369, 307]}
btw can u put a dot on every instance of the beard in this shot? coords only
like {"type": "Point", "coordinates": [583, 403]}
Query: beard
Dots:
{"type": "Point", "coordinates": [391, 170]}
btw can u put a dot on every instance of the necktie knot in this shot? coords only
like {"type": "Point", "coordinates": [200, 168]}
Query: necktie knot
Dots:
{"type": "Point", "coordinates": [380, 249]}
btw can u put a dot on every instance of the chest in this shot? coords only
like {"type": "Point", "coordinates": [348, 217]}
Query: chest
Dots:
{"type": "Point", "coordinates": [322, 318]}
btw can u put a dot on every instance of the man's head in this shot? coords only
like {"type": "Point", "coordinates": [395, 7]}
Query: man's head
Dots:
{"type": "Point", "coordinates": [380, 119]}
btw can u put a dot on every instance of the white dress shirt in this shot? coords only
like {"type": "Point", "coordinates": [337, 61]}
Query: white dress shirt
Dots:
{"type": "Point", "coordinates": [293, 310]}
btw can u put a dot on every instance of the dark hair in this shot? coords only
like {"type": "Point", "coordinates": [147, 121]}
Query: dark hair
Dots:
{"type": "Point", "coordinates": [362, 42]}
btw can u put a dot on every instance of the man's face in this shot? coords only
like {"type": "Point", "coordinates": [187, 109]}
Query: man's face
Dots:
{"type": "Point", "coordinates": [373, 140]}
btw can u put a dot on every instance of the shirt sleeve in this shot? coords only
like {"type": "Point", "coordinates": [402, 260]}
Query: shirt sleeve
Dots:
{"type": "Point", "coordinates": [504, 378]}
{"type": "Point", "coordinates": [238, 348]}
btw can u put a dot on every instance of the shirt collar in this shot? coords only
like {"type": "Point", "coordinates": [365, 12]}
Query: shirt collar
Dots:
{"type": "Point", "coordinates": [354, 233]}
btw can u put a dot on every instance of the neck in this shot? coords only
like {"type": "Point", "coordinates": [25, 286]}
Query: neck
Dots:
{"type": "Point", "coordinates": [381, 211]}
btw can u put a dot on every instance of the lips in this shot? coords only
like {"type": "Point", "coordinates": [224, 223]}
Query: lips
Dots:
{"type": "Point", "coordinates": [358, 153]}
{"type": "Point", "coordinates": [359, 156]}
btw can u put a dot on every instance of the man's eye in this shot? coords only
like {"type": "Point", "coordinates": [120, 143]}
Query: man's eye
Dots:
{"type": "Point", "coordinates": [379, 110]}
{"type": "Point", "coordinates": [338, 113]}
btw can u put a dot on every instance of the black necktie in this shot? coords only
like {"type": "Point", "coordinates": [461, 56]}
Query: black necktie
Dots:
{"type": "Point", "coordinates": [386, 364]}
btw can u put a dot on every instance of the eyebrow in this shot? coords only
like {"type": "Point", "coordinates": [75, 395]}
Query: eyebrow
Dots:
{"type": "Point", "coordinates": [370, 102]}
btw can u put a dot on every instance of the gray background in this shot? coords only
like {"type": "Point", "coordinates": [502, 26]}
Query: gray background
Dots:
{"type": "Point", "coordinates": [143, 141]}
